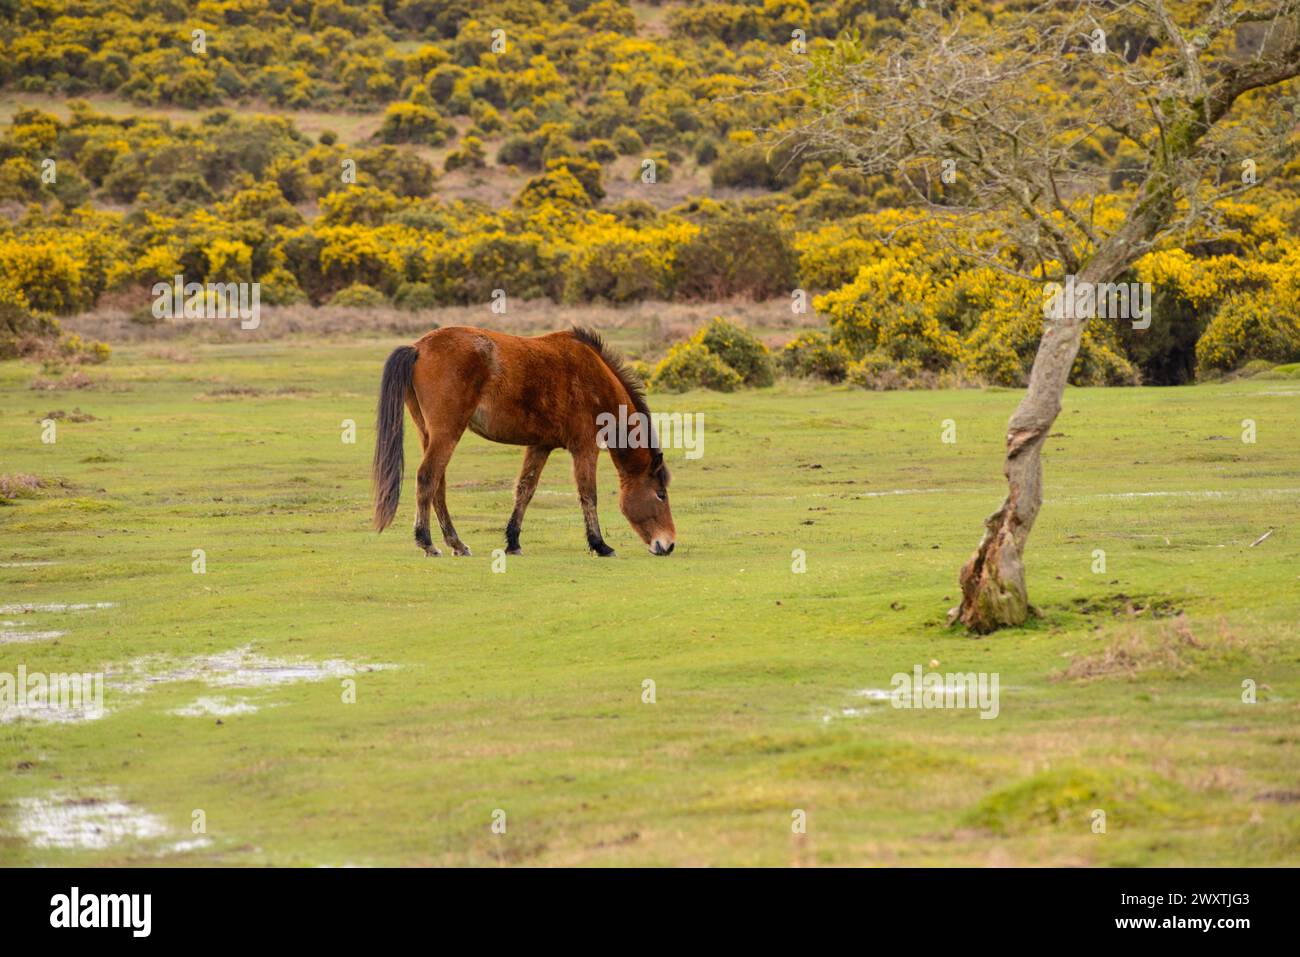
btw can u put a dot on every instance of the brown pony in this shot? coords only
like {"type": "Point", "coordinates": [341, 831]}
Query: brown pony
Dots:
{"type": "Point", "coordinates": [544, 393]}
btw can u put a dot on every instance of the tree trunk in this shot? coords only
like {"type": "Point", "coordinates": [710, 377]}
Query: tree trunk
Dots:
{"type": "Point", "coordinates": [993, 591]}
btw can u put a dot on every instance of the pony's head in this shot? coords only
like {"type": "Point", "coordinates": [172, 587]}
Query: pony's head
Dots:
{"type": "Point", "coordinates": [643, 499]}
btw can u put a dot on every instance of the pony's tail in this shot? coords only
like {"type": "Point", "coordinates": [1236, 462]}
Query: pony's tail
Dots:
{"type": "Point", "coordinates": [387, 471]}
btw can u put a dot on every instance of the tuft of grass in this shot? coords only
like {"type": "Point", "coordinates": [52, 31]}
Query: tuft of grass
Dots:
{"type": "Point", "coordinates": [75, 379]}
{"type": "Point", "coordinates": [1172, 650]}
{"type": "Point", "coordinates": [19, 486]}
{"type": "Point", "coordinates": [1068, 797]}
{"type": "Point", "coordinates": [1290, 370]}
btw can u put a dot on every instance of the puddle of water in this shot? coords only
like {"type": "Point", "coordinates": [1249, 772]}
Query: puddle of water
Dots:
{"type": "Point", "coordinates": [216, 707]}
{"type": "Point", "coordinates": [93, 822]}
{"type": "Point", "coordinates": [90, 823]}
{"type": "Point", "coordinates": [181, 847]}
{"type": "Point", "coordinates": [46, 715]}
{"type": "Point", "coordinates": [874, 694]}
{"type": "Point", "coordinates": [57, 607]}
{"type": "Point", "coordinates": [914, 491]}
{"type": "Point", "coordinates": [237, 668]}
{"type": "Point", "coordinates": [1205, 493]}
{"type": "Point", "coordinates": [882, 694]}
{"type": "Point", "coordinates": [11, 632]}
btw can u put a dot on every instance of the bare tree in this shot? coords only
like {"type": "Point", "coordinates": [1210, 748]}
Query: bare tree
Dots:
{"type": "Point", "coordinates": [1017, 103]}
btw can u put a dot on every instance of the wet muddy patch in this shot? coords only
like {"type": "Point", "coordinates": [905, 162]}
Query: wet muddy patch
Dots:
{"type": "Point", "coordinates": [16, 632]}
{"type": "Point", "coordinates": [56, 607]}
{"type": "Point", "coordinates": [42, 713]}
{"type": "Point", "coordinates": [216, 706]}
{"type": "Point", "coordinates": [238, 668]}
{"type": "Point", "coordinates": [83, 822]}
{"type": "Point", "coordinates": [95, 822]}
{"type": "Point", "coordinates": [1120, 605]}
{"type": "Point", "coordinates": [929, 690]}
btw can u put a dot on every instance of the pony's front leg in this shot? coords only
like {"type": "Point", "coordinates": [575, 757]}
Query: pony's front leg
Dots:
{"type": "Point", "coordinates": [584, 475]}
{"type": "Point", "coordinates": [534, 461]}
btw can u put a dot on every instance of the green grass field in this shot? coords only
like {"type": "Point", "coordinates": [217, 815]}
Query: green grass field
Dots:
{"type": "Point", "coordinates": [522, 691]}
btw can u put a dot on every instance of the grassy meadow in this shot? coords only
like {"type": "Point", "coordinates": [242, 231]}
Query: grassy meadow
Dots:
{"type": "Point", "coordinates": [521, 691]}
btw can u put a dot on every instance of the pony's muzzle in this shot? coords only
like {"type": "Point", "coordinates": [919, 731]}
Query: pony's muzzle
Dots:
{"type": "Point", "coordinates": [659, 547]}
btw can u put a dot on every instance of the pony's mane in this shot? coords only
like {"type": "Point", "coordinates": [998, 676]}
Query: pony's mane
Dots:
{"type": "Point", "coordinates": [624, 373]}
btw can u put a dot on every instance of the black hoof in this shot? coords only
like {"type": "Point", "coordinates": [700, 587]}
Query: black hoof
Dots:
{"type": "Point", "coordinates": [514, 551]}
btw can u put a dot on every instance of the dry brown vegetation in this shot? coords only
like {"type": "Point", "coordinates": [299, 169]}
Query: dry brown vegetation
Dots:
{"type": "Point", "coordinates": [20, 485]}
{"type": "Point", "coordinates": [643, 329]}
{"type": "Point", "coordinates": [1172, 649]}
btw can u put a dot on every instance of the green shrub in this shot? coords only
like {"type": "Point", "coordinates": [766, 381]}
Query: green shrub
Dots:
{"type": "Point", "coordinates": [740, 349]}
{"type": "Point", "coordinates": [880, 373]}
{"type": "Point", "coordinates": [416, 295]}
{"type": "Point", "coordinates": [812, 355]}
{"type": "Point", "coordinates": [360, 296]}
{"type": "Point", "coordinates": [585, 171]}
{"type": "Point", "coordinates": [690, 365]}
{"type": "Point", "coordinates": [628, 141]}
{"type": "Point", "coordinates": [736, 255]}
{"type": "Point", "coordinates": [470, 154]}
{"type": "Point", "coordinates": [485, 116]}
{"type": "Point", "coordinates": [1248, 326]}
{"type": "Point", "coordinates": [706, 151]}
{"type": "Point", "coordinates": [77, 350]}
{"type": "Point", "coordinates": [411, 123]}
{"type": "Point", "coordinates": [602, 151]}
{"type": "Point", "coordinates": [751, 166]}
{"type": "Point", "coordinates": [557, 186]}
{"type": "Point", "coordinates": [656, 161]}
{"type": "Point", "coordinates": [22, 328]}
{"type": "Point", "coordinates": [280, 288]}
{"type": "Point", "coordinates": [1100, 361]}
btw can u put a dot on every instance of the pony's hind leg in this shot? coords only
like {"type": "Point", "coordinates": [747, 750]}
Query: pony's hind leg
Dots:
{"type": "Point", "coordinates": [422, 537]}
{"type": "Point", "coordinates": [448, 382]}
{"type": "Point", "coordinates": [423, 499]}
{"type": "Point", "coordinates": [534, 460]}
{"type": "Point", "coordinates": [584, 475]}
{"type": "Point", "coordinates": [431, 485]}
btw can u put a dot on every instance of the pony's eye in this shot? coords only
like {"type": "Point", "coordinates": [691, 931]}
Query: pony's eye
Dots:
{"type": "Point", "coordinates": [662, 496]}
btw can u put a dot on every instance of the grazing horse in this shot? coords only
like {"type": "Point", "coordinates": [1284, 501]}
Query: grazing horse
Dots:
{"type": "Point", "coordinates": [544, 393]}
